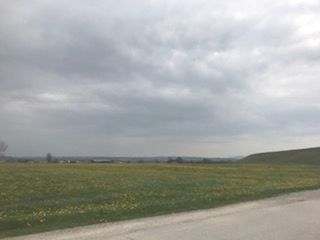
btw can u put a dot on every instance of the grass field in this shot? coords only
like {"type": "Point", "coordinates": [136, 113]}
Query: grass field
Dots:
{"type": "Point", "coordinates": [41, 197]}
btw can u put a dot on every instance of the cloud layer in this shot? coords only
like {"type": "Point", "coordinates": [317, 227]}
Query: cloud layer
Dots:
{"type": "Point", "coordinates": [159, 77]}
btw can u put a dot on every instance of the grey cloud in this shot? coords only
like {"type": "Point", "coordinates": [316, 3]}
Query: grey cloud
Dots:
{"type": "Point", "coordinates": [181, 75]}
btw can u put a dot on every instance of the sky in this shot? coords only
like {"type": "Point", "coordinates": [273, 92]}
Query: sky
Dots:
{"type": "Point", "coordinates": [159, 77]}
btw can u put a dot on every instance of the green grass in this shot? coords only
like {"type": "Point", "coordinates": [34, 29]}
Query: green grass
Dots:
{"type": "Point", "coordinates": [297, 156]}
{"type": "Point", "coordinates": [42, 197]}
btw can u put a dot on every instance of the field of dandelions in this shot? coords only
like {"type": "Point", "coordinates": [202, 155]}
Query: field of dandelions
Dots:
{"type": "Point", "coordinates": [43, 197]}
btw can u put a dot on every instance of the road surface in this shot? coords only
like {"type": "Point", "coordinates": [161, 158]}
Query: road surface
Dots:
{"type": "Point", "coordinates": [294, 216]}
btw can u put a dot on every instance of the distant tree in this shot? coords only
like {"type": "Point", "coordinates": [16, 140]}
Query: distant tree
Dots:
{"type": "Point", "coordinates": [49, 157]}
{"type": "Point", "coordinates": [3, 147]}
{"type": "Point", "coordinates": [170, 160]}
{"type": "Point", "coordinates": [206, 160]}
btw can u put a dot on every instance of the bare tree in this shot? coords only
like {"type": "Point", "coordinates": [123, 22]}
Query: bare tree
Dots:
{"type": "Point", "coordinates": [3, 147]}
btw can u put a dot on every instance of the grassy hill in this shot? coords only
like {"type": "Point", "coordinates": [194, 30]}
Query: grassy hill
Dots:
{"type": "Point", "coordinates": [297, 156]}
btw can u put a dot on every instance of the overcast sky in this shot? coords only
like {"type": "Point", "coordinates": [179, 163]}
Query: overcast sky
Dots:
{"type": "Point", "coordinates": [157, 77]}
